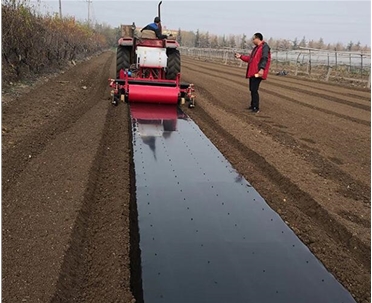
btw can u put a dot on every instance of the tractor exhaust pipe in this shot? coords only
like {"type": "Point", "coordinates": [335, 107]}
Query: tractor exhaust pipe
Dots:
{"type": "Point", "coordinates": [160, 27]}
{"type": "Point", "coordinates": [159, 8]}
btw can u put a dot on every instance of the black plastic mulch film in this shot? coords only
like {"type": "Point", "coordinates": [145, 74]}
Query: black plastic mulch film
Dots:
{"type": "Point", "coordinates": [206, 235]}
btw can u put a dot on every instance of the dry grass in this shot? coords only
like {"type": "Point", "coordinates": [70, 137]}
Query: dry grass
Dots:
{"type": "Point", "coordinates": [32, 44]}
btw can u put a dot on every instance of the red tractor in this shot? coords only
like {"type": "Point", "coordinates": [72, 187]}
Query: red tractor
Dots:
{"type": "Point", "coordinates": [148, 69]}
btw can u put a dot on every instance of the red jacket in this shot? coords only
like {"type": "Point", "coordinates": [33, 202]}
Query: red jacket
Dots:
{"type": "Point", "coordinates": [259, 58]}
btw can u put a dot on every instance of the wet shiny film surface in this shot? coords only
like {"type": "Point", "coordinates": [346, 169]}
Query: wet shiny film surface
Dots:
{"type": "Point", "coordinates": [206, 235]}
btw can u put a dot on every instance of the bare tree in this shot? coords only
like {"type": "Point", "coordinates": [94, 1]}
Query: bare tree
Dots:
{"type": "Point", "coordinates": [188, 39]}
{"type": "Point", "coordinates": [350, 45]}
{"type": "Point", "coordinates": [356, 47]}
{"type": "Point", "coordinates": [222, 41]}
{"type": "Point", "coordinates": [232, 42]}
{"type": "Point", "coordinates": [204, 40]}
{"type": "Point", "coordinates": [312, 44]}
{"type": "Point", "coordinates": [320, 44]}
{"type": "Point", "coordinates": [271, 42]}
{"type": "Point", "coordinates": [243, 42]}
{"type": "Point", "coordinates": [179, 36]}
{"type": "Point", "coordinates": [197, 38]}
{"type": "Point", "coordinates": [339, 47]}
{"type": "Point", "coordinates": [295, 44]}
{"type": "Point", "coordinates": [303, 42]}
{"type": "Point", "coordinates": [214, 41]}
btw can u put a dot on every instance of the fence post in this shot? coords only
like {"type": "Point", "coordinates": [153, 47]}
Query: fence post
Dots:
{"type": "Point", "coordinates": [308, 65]}
{"type": "Point", "coordinates": [329, 72]}
{"type": "Point", "coordinates": [297, 63]}
{"type": "Point", "coordinates": [349, 69]}
{"type": "Point", "coordinates": [328, 59]}
{"type": "Point", "coordinates": [361, 65]}
{"type": "Point", "coordinates": [336, 59]}
{"type": "Point", "coordinates": [369, 80]}
{"type": "Point", "coordinates": [277, 61]}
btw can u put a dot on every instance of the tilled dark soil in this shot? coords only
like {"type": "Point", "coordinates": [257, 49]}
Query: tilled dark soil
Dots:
{"type": "Point", "coordinates": [307, 152]}
{"type": "Point", "coordinates": [69, 217]}
{"type": "Point", "coordinates": [66, 191]}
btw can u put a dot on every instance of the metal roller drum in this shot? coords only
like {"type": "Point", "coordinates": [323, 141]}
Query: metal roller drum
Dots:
{"type": "Point", "coordinates": [153, 94]}
{"type": "Point", "coordinates": [153, 112]}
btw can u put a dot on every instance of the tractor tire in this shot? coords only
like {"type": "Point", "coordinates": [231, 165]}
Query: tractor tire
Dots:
{"type": "Point", "coordinates": [122, 59]}
{"type": "Point", "coordinates": [173, 63]}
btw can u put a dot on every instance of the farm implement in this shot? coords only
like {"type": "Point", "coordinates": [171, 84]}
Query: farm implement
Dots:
{"type": "Point", "coordinates": [148, 69]}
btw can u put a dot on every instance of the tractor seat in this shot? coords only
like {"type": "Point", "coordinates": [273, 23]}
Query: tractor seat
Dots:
{"type": "Point", "coordinates": [148, 34]}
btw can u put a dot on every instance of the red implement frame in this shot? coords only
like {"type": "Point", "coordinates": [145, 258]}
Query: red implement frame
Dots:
{"type": "Point", "coordinates": [149, 85]}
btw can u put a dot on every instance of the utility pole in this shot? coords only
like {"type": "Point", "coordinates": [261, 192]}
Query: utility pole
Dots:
{"type": "Point", "coordinates": [60, 9]}
{"type": "Point", "coordinates": [38, 6]}
{"type": "Point", "coordinates": [89, 2]}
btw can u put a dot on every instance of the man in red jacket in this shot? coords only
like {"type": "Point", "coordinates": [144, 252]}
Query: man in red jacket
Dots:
{"type": "Point", "coordinates": [258, 68]}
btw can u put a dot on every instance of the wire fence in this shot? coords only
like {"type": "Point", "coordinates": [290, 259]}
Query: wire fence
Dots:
{"type": "Point", "coordinates": [320, 64]}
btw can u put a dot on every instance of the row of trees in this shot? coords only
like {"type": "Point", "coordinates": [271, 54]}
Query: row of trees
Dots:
{"type": "Point", "coordinates": [206, 40]}
{"type": "Point", "coordinates": [33, 43]}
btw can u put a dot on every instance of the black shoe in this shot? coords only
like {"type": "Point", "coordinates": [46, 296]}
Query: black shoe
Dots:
{"type": "Point", "coordinates": [255, 110]}
{"type": "Point", "coordinates": [250, 108]}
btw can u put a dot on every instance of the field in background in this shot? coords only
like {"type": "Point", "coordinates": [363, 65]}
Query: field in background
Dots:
{"type": "Point", "coordinates": [67, 215]}
{"type": "Point", "coordinates": [353, 68]}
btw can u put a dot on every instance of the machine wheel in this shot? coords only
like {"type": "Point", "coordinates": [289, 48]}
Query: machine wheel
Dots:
{"type": "Point", "coordinates": [114, 101]}
{"type": "Point", "coordinates": [192, 103]}
{"type": "Point", "coordinates": [122, 58]}
{"type": "Point", "coordinates": [173, 63]}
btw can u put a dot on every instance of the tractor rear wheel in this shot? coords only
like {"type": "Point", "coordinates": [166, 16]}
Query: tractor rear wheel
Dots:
{"type": "Point", "coordinates": [173, 63]}
{"type": "Point", "coordinates": [122, 59]}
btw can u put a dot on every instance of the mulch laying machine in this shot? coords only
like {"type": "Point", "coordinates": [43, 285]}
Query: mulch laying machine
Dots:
{"type": "Point", "coordinates": [148, 69]}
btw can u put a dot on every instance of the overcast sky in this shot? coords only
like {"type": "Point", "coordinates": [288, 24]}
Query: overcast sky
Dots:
{"type": "Point", "coordinates": [334, 21]}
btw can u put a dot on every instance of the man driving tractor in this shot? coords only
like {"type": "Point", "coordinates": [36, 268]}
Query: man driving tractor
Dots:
{"type": "Point", "coordinates": [155, 27]}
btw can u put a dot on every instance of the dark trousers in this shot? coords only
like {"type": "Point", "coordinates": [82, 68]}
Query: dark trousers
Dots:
{"type": "Point", "coordinates": [254, 84]}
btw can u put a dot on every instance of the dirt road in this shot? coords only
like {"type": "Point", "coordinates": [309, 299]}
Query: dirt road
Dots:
{"type": "Point", "coordinates": [68, 222]}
